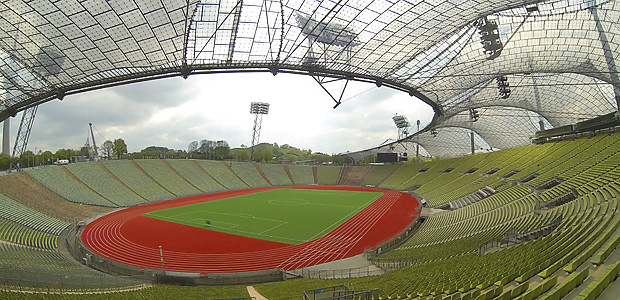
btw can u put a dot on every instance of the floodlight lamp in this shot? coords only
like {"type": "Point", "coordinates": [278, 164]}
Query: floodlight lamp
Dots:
{"type": "Point", "coordinates": [531, 8]}
{"type": "Point", "coordinates": [489, 37]}
{"type": "Point", "coordinates": [503, 87]}
{"type": "Point", "coordinates": [400, 121]}
{"type": "Point", "coordinates": [259, 108]}
{"type": "Point", "coordinates": [473, 115]}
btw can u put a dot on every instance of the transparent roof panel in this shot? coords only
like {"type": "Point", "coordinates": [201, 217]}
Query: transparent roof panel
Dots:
{"type": "Point", "coordinates": [559, 57]}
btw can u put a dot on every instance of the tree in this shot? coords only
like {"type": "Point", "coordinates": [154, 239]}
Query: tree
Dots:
{"type": "Point", "coordinates": [221, 150]}
{"type": "Point", "coordinates": [192, 147]}
{"type": "Point", "coordinates": [27, 159]}
{"type": "Point", "coordinates": [62, 154]}
{"type": "Point", "coordinates": [5, 160]}
{"type": "Point", "coordinates": [263, 156]}
{"type": "Point", "coordinates": [207, 147]}
{"type": "Point", "coordinates": [108, 148]}
{"type": "Point", "coordinates": [289, 157]}
{"type": "Point", "coordinates": [120, 147]}
{"type": "Point", "coordinates": [47, 157]}
{"type": "Point", "coordinates": [243, 156]}
{"type": "Point", "coordinates": [84, 152]}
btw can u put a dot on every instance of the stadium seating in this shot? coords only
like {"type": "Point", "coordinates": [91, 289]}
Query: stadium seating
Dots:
{"type": "Point", "coordinates": [18, 234]}
{"type": "Point", "coordinates": [276, 174]}
{"type": "Point", "coordinates": [160, 171]}
{"type": "Point", "coordinates": [223, 174]}
{"type": "Point", "coordinates": [444, 253]}
{"type": "Point", "coordinates": [377, 175]}
{"type": "Point", "coordinates": [160, 291]}
{"type": "Point", "coordinates": [23, 267]}
{"type": "Point", "coordinates": [302, 175]}
{"type": "Point", "coordinates": [402, 174]}
{"type": "Point", "coordinates": [328, 175]}
{"type": "Point", "coordinates": [25, 190]}
{"type": "Point", "coordinates": [95, 177]}
{"type": "Point", "coordinates": [191, 171]}
{"type": "Point", "coordinates": [23, 215]}
{"type": "Point", "coordinates": [469, 183]}
{"type": "Point", "coordinates": [133, 178]}
{"type": "Point", "coordinates": [249, 174]}
{"type": "Point", "coordinates": [353, 175]}
{"type": "Point", "coordinates": [57, 180]}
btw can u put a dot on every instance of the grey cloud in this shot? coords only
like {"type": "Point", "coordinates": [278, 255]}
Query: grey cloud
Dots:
{"type": "Point", "coordinates": [301, 114]}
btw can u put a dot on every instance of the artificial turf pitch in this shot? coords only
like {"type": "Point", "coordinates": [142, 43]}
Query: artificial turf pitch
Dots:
{"type": "Point", "coordinates": [287, 215]}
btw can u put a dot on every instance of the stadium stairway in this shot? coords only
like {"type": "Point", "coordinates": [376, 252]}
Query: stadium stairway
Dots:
{"type": "Point", "coordinates": [353, 175]}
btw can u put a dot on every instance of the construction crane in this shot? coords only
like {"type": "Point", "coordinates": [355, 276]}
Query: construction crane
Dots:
{"type": "Point", "coordinates": [95, 157]}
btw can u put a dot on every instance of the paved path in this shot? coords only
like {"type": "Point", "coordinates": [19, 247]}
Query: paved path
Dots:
{"type": "Point", "coordinates": [254, 293]}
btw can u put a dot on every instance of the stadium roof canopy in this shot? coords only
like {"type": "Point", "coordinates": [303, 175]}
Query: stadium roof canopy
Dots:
{"type": "Point", "coordinates": [516, 64]}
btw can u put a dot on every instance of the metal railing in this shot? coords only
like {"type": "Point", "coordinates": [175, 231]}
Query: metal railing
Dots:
{"type": "Point", "coordinates": [512, 238]}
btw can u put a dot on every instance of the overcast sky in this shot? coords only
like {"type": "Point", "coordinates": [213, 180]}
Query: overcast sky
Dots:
{"type": "Point", "coordinates": [173, 112]}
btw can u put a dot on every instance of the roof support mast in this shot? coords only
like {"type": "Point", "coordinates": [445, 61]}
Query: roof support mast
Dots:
{"type": "Point", "coordinates": [95, 157]}
{"type": "Point", "coordinates": [21, 141]}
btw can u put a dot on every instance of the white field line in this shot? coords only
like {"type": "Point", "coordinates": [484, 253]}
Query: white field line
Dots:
{"type": "Point", "coordinates": [348, 216]}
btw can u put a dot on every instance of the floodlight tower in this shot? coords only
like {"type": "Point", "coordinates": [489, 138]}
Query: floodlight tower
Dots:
{"type": "Point", "coordinates": [402, 124]}
{"type": "Point", "coordinates": [258, 109]}
{"type": "Point", "coordinates": [417, 144]}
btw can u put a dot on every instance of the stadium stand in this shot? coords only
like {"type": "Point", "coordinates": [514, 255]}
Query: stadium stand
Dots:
{"type": "Point", "coordinates": [160, 171]}
{"type": "Point", "coordinates": [160, 291]}
{"type": "Point", "coordinates": [23, 189]}
{"type": "Point", "coordinates": [276, 174]}
{"type": "Point", "coordinates": [302, 175]}
{"type": "Point", "coordinates": [328, 175]}
{"type": "Point", "coordinates": [402, 174]}
{"type": "Point", "coordinates": [57, 180]}
{"type": "Point", "coordinates": [448, 242]}
{"type": "Point", "coordinates": [248, 173]}
{"type": "Point", "coordinates": [19, 213]}
{"type": "Point", "coordinates": [472, 240]}
{"type": "Point", "coordinates": [353, 175]}
{"type": "Point", "coordinates": [133, 178]}
{"type": "Point", "coordinates": [468, 183]}
{"type": "Point", "coordinates": [379, 174]}
{"type": "Point", "coordinates": [223, 174]}
{"type": "Point", "coordinates": [15, 233]}
{"type": "Point", "coordinates": [95, 177]}
{"type": "Point", "coordinates": [191, 171]}
{"type": "Point", "coordinates": [24, 267]}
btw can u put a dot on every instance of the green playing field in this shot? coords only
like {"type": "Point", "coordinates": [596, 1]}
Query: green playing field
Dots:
{"type": "Point", "coordinates": [288, 215]}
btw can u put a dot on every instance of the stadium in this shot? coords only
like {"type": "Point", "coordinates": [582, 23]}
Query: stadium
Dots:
{"type": "Point", "coordinates": [519, 201]}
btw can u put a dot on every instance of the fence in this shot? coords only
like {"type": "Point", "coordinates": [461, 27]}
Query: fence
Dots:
{"type": "Point", "coordinates": [340, 273]}
{"type": "Point", "coordinates": [63, 282]}
{"type": "Point", "coordinates": [399, 239]}
{"type": "Point", "coordinates": [340, 292]}
{"type": "Point", "coordinates": [390, 265]}
{"type": "Point", "coordinates": [512, 238]}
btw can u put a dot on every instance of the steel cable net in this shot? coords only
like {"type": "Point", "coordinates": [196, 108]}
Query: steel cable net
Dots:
{"type": "Point", "coordinates": [451, 142]}
{"type": "Point", "coordinates": [558, 56]}
{"type": "Point", "coordinates": [496, 126]}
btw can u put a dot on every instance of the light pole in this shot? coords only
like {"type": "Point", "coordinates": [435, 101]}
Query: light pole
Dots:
{"type": "Point", "coordinates": [161, 256]}
{"type": "Point", "coordinates": [258, 109]}
{"type": "Point", "coordinates": [417, 144]}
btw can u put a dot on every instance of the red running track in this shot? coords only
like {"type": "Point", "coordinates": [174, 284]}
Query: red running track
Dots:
{"type": "Point", "coordinates": [128, 237]}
